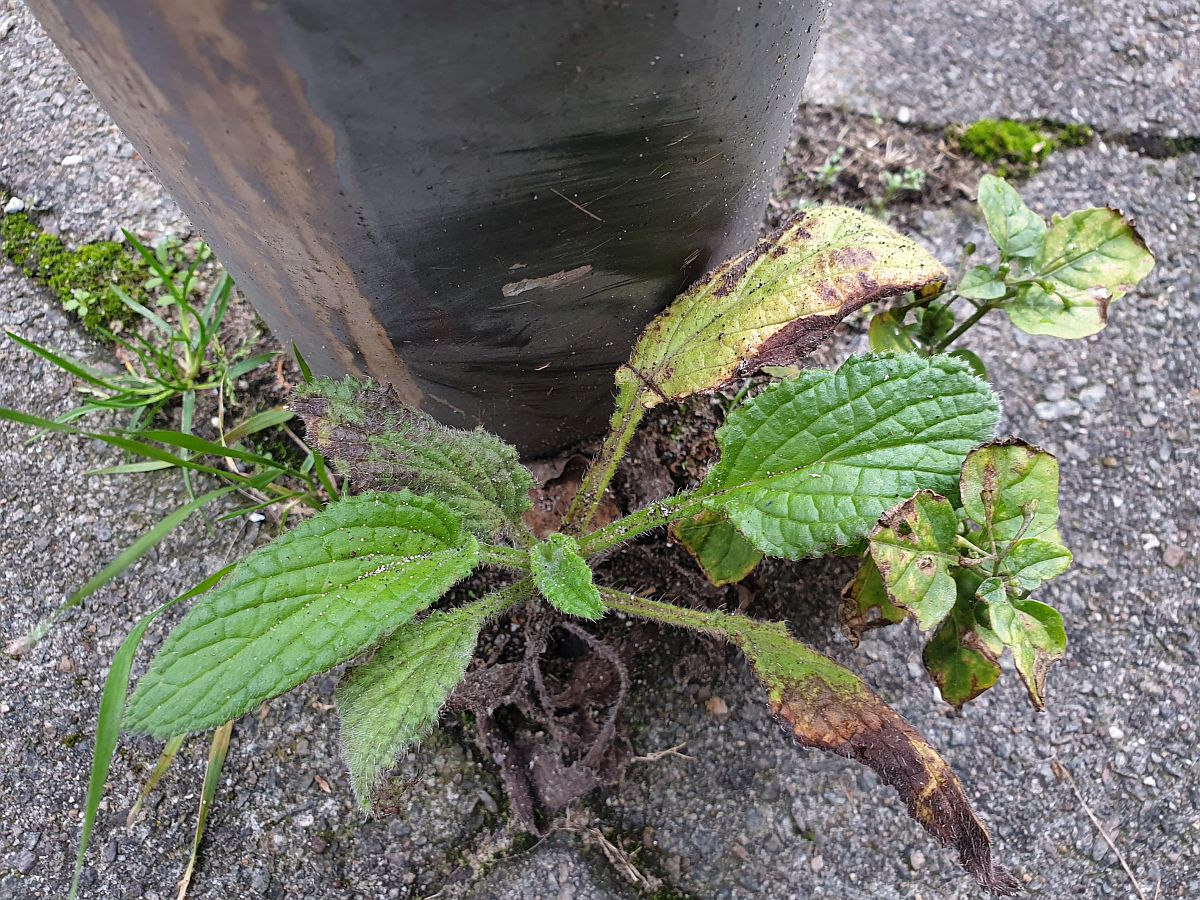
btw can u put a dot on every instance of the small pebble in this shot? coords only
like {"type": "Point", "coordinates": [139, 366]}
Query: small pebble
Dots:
{"type": "Point", "coordinates": [1174, 556]}
{"type": "Point", "coordinates": [14, 205]}
{"type": "Point", "coordinates": [716, 706]}
{"type": "Point", "coordinates": [73, 160]}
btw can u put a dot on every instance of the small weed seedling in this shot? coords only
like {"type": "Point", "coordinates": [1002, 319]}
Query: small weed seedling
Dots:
{"type": "Point", "coordinates": [892, 456]}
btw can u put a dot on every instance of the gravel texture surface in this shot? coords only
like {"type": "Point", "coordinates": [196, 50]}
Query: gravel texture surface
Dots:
{"type": "Point", "coordinates": [1121, 65]}
{"type": "Point", "coordinates": [746, 815]}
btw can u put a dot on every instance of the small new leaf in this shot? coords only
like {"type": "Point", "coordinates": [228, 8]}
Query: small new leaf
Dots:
{"type": "Point", "coordinates": [1017, 230]}
{"type": "Point", "coordinates": [981, 283]}
{"type": "Point", "coordinates": [865, 603]}
{"type": "Point", "coordinates": [394, 700]}
{"type": "Point", "coordinates": [323, 592]}
{"type": "Point", "coordinates": [724, 555]}
{"type": "Point", "coordinates": [1088, 260]}
{"type": "Point", "coordinates": [810, 464]}
{"type": "Point", "coordinates": [888, 334]}
{"type": "Point", "coordinates": [776, 302]}
{"type": "Point", "coordinates": [913, 547]}
{"type": "Point", "coordinates": [564, 578]}
{"type": "Point", "coordinates": [384, 445]}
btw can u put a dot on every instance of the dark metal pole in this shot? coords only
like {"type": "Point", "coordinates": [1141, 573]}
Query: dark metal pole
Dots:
{"type": "Point", "coordinates": [479, 202]}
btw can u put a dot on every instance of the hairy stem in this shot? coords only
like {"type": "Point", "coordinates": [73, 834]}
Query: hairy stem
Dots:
{"type": "Point", "coordinates": [625, 419]}
{"type": "Point", "coordinates": [504, 557]}
{"type": "Point", "coordinates": [500, 601]}
{"type": "Point", "coordinates": [718, 623]}
{"type": "Point", "coordinates": [663, 512]}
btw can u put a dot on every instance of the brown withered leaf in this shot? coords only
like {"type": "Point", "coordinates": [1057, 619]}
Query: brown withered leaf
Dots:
{"type": "Point", "coordinates": [775, 302]}
{"type": "Point", "coordinates": [826, 707]}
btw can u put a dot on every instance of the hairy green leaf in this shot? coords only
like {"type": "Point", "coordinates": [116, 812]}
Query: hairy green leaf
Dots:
{"type": "Point", "coordinates": [725, 556]}
{"type": "Point", "coordinates": [978, 369]}
{"type": "Point", "coordinates": [1007, 482]}
{"type": "Point", "coordinates": [1017, 230]}
{"type": "Point", "coordinates": [394, 700]}
{"type": "Point", "coordinates": [913, 547]}
{"type": "Point", "coordinates": [382, 444]}
{"type": "Point", "coordinates": [775, 302]}
{"type": "Point", "coordinates": [324, 591]}
{"type": "Point", "coordinates": [809, 465]}
{"type": "Point", "coordinates": [564, 578]}
{"type": "Point", "coordinates": [825, 706]}
{"type": "Point", "coordinates": [982, 283]}
{"type": "Point", "coordinates": [1089, 259]}
{"type": "Point", "coordinates": [865, 603]}
{"type": "Point", "coordinates": [957, 657]}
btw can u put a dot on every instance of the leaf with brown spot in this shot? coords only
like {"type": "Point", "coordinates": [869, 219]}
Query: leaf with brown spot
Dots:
{"type": "Point", "coordinates": [827, 707]}
{"type": "Point", "coordinates": [776, 302]}
{"type": "Point", "coordinates": [913, 546]}
{"type": "Point", "coordinates": [865, 604]}
{"type": "Point", "coordinates": [961, 658]}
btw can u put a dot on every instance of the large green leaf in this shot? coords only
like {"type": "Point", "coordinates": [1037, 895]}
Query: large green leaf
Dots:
{"type": "Point", "coordinates": [394, 700]}
{"type": "Point", "coordinates": [1017, 230]}
{"type": "Point", "coordinates": [724, 555]}
{"type": "Point", "coordinates": [325, 591]}
{"type": "Point", "coordinates": [810, 464]}
{"type": "Point", "coordinates": [913, 548]}
{"type": "Point", "coordinates": [775, 302]}
{"type": "Point", "coordinates": [564, 578]}
{"type": "Point", "coordinates": [382, 444]}
{"type": "Point", "coordinates": [1088, 259]}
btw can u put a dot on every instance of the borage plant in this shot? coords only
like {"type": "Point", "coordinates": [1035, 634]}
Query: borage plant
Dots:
{"type": "Point", "coordinates": [892, 457]}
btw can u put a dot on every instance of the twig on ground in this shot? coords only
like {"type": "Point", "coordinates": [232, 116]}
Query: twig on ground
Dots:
{"type": "Point", "coordinates": [1064, 774]}
{"type": "Point", "coordinates": [656, 755]}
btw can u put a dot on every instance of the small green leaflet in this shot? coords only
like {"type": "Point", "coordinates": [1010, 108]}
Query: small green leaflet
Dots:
{"type": "Point", "coordinates": [913, 548]}
{"type": "Point", "coordinates": [1017, 230]}
{"type": "Point", "coordinates": [383, 445]}
{"type": "Point", "coordinates": [724, 555]}
{"type": "Point", "coordinates": [1088, 259]}
{"type": "Point", "coordinates": [981, 283]}
{"type": "Point", "coordinates": [564, 578]}
{"type": "Point", "coordinates": [810, 464]}
{"type": "Point", "coordinates": [887, 333]}
{"type": "Point", "coordinates": [1035, 634]}
{"type": "Point", "coordinates": [394, 700]}
{"type": "Point", "coordinates": [323, 592]}
{"type": "Point", "coordinates": [775, 302]}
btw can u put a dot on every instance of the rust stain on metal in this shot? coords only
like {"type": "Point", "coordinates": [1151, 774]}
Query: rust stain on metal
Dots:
{"type": "Point", "coordinates": [546, 282]}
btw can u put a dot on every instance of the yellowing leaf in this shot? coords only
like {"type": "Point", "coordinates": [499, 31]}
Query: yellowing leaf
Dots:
{"type": "Point", "coordinates": [1088, 260]}
{"type": "Point", "coordinates": [865, 603]}
{"type": "Point", "coordinates": [775, 302]}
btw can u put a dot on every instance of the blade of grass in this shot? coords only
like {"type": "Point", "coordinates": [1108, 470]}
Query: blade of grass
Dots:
{"type": "Point", "coordinates": [214, 314]}
{"type": "Point", "coordinates": [80, 371]}
{"type": "Point", "coordinates": [302, 363]}
{"type": "Point", "coordinates": [170, 751]}
{"type": "Point", "coordinates": [212, 780]}
{"type": "Point", "coordinates": [123, 561]}
{"type": "Point", "coordinates": [268, 418]}
{"type": "Point", "coordinates": [128, 468]}
{"type": "Point", "coordinates": [112, 709]}
{"type": "Point", "coordinates": [187, 412]}
{"type": "Point", "coordinates": [250, 363]}
{"type": "Point", "coordinates": [149, 315]}
{"type": "Point", "coordinates": [246, 510]}
{"type": "Point", "coordinates": [200, 445]}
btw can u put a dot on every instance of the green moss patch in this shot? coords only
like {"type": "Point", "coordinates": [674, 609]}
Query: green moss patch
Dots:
{"type": "Point", "coordinates": [82, 278]}
{"type": "Point", "coordinates": [1017, 148]}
